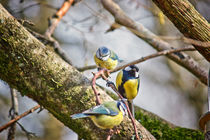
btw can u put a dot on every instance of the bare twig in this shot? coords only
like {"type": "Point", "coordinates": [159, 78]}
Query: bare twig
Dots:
{"type": "Point", "coordinates": [53, 24]}
{"type": "Point", "coordinates": [165, 52]}
{"type": "Point", "coordinates": [57, 17]}
{"type": "Point", "coordinates": [196, 42]}
{"type": "Point", "coordinates": [81, 69]}
{"type": "Point", "coordinates": [97, 75]}
{"type": "Point", "coordinates": [28, 134]}
{"type": "Point", "coordinates": [139, 30]}
{"type": "Point", "coordinates": [13, 112]}
{"type": "Point", "coordinates": [18, 118]}
{"type": "Point", "coordinates": [187, 40]}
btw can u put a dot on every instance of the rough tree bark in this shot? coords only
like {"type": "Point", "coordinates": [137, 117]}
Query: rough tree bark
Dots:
{"type": "Point", "coordinates": [39, 73]}
{"type": "Point", "coordinates": [188, 21]}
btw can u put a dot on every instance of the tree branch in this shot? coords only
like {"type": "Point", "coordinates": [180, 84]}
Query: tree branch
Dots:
{"type": "Point", "coordinates": [165, 52]}
{"type": "Point", "coordinates": [13, 112]}
{"type": "Point", "coordinates": [38, 72]}
{"type": "Point", "coordinates": [57, 17]}
{"type": "Point", "coordinates": [139, 30]}
{"type": "Point", "coordinates": [11, 122]}
{"type": "Point", "coordinates": [188, 21]}
{"type": "Point", "coordinates": [53, 22]}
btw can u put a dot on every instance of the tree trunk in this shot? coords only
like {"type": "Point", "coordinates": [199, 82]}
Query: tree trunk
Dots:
{"type": "Point", "coordinates": [39, 73]}
{"type": "Point", "coordinates": [188, 21]}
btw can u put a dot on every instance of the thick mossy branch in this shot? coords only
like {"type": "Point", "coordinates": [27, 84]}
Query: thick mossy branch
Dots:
{"type": "Point", "coordinates": [161, 129]}
{"type": "Point", "coordinates": [39, 73]}
{"type": "Point", "coordinates": [188, 21]}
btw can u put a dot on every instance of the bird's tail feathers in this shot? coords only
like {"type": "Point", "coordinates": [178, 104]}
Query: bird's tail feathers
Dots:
{"type": "Point", "coordinates": [79, 115]}
{"type": "Point", "coordinates": [120, 60]}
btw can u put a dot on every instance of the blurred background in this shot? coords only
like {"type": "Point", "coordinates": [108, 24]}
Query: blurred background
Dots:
{"type": "Point", "coordinates": [166, 89]}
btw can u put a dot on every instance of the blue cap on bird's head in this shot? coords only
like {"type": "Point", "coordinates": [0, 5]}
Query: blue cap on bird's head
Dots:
{"type": "Point", "coordinates": [103, 53]}
{"type": "Point", "coordinates": [122, 107]}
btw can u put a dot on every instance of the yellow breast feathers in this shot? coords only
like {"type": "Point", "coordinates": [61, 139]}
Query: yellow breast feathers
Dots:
{"type": "Point", "coordinates": [106, 121]}
{"type": "Point", "coordinates": [108, 64]}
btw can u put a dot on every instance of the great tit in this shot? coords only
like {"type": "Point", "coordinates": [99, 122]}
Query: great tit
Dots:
{"type": "Point", "coordinates": [127, 83]}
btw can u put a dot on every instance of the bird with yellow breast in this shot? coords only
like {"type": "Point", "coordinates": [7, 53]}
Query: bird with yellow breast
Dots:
{"type": "Point", "coordinates": [127, 83]}
{"type": "Point", "coordinates": [106, 115]}
{"type": "Point", "coordinates": [105, 58]}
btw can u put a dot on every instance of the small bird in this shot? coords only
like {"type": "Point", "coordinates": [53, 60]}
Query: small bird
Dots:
{"type": "Point", "coordinates": [105, 58]}
{"type": "Point", "coordinates": [106, 115]}
{"type": "Point", "coordinates": [127, 83]}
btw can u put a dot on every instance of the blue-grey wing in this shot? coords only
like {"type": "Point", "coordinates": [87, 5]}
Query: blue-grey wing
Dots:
{"type": "Point", "coordinates": [101, 110]}
{"type": "Point", "coordinates": [114, 56]}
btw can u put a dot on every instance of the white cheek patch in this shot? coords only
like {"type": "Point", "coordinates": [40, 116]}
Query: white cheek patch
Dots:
{"type": "Point", "coordinates": [105, 58]}
{"type": "Point", "coordinates": [127, 68]}
{"type": "Point", "coordinates": [136, 74]}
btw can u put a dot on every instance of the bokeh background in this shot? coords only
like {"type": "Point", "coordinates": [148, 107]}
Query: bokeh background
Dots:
{"type": "Point", "coordinates": [166, 89]}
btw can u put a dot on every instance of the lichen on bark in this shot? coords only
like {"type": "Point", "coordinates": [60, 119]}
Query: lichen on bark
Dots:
{"type": "Point", "coordinates": [39, 73]}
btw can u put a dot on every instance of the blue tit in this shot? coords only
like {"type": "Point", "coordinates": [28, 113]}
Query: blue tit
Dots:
{"type": "Point", "coordinates": [106, 115]}
{"type": "Point", "coordinates": [105, 58]}
{"type": "Point", "coordinates": [127, 83]}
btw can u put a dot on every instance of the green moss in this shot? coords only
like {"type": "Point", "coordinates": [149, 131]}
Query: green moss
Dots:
{"type": "Point", "coordinates": [163, 131]}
